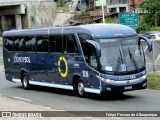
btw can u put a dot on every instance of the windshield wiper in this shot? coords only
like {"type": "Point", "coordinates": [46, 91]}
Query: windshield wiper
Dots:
{"type": "Point", "coordinates": [133, 59]}
{"type": "Point", "coordinates": [120, 59]}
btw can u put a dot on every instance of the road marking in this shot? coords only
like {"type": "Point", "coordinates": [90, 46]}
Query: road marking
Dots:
{"type": "Point", "coordinates": [117, 118]}
{"type": "Point", "coordinates": [19, 98]}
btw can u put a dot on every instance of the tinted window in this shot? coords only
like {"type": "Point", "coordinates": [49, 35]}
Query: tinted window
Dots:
{"type": "Point", "coordinates": [16, 43]}
{"type": "Point", "coordinates": [52, 44]}
{"type": "Point", "coordinates": [30, 43]}
{"type": "Point", "coordinates": [56, 43]}
{"type": "Point", "coordinates": [69, 45]}
{"type": "Point", "coordinates": [21, 44]}
{"type": "Point", "coordinates": [8, 43]}
{"type": "Point", "coordinates": [83, 37]}
{"type": "Point", "coordinates": [42, 44]}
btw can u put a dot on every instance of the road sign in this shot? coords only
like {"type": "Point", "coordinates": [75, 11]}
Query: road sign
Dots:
{"type": "Point", "coordinates": [129, 19]}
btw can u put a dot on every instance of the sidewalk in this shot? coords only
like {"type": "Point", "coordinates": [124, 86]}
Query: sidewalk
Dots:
{"type": "Point", "coordinates": [10, 104]}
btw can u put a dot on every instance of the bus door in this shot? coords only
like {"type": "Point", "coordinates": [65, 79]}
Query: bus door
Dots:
{"type": "Point", "coordinates": [89, 52]}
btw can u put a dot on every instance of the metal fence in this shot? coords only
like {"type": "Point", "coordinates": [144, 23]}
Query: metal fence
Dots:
{"type": "Point", "coordinates": [152, 58]}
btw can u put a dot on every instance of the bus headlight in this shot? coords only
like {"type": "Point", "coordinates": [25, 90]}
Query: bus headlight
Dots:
{"type": "Point", "coordinates": [144, 77]}
{"type": "Point", "coordinates": [105, 80]}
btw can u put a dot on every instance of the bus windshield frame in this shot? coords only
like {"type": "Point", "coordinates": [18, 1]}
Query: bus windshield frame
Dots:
{"type": "Point", "coordinates": [121, 55]}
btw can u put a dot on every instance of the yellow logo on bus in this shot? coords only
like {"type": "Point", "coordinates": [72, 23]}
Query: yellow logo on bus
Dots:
{"type": "Point", "coordinates": [66, 66]}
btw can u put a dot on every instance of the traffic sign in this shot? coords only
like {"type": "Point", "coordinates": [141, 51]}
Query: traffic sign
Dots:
{"type": "Point", "coordinates": [129, 19]}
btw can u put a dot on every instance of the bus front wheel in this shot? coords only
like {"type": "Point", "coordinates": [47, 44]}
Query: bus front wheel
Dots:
{"type": "Point", "coordinates": [25, 81]}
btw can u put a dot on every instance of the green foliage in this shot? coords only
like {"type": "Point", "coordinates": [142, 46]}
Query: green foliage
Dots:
{"type": "Point", "coordinates": [143, 27]}
{"type": "Point", "coordinates": [111, 20]}
{"type": "Point", "coordinates": [152, 18]}
{"type": "Point", "coordinates": [155, 29]}
{"type": "Point", "coordinates": [154, 81]}
{"type": "Point", "coordinates": [85, 12]}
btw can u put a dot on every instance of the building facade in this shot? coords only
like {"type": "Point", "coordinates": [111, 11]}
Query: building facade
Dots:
{"type": "Point", "coordinates": [134, 6]}
{"type": "Point", "coordinates": [116, 6]}
{"type": "Point", "coordinates": [23, 14]}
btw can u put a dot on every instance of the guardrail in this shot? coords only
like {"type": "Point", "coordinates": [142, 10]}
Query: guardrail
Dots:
{"type": "Point", "coordinates": [152, 58]}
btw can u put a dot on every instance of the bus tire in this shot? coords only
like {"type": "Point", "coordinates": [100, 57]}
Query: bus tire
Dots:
{"type": "Point", "coordinates": [25, 81]}
{"type": "Point", "coordinates": [80, 88]}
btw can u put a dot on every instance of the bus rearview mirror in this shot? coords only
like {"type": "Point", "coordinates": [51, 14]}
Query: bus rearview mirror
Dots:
{"type": "Point", "coordinates": [96, 46]}
{"type": "Point", "coordinates": [148, 41]}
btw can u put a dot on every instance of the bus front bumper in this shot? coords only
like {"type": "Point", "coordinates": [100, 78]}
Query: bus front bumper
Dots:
{"type": "Point", "coordinates": [122, 86]}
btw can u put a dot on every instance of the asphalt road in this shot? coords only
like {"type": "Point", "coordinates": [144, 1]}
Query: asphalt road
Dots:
{"type": "Point", "coordinates": [142, 100]}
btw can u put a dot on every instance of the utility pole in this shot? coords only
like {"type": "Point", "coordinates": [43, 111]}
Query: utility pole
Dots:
{"type": "Point", "coordinates": [103, 11]}
{"type": "Point", "coordinates": [133, 5]}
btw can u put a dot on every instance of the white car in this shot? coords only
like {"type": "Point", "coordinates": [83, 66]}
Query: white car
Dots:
{"type": "Point", "coordinates": [152, 35]}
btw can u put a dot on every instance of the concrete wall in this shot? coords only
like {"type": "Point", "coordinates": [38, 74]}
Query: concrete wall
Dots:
{"type": "Point", "coordinates": [23, 14]}
{"type": "Point", "coordinates": [40, 14]}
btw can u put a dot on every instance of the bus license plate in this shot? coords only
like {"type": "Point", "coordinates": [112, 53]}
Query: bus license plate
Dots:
{"type": "Point", "coordinates": [128, 87]}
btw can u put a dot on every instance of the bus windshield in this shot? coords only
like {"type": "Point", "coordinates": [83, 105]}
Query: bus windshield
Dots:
{"type": "Point", "coordinates": [121, 55]}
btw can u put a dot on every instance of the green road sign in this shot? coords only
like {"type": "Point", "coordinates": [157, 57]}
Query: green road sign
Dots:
{"type": "Point", "coordinates": [129, 19]}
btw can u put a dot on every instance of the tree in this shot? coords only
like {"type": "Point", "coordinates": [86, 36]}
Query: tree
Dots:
{"type": "Point", "coordinates": [152, 17]}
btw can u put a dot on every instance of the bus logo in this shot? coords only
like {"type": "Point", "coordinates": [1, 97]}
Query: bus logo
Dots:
{"type": "Point", "coordinates": [131, 41]}
{"type": "Point", "coordinates": [66, 66]}
{"type": "Point", "coordinates": [22, 59]}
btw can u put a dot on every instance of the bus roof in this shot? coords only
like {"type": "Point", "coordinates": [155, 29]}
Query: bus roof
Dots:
{"type": "Point", "coordinates": [96, 30]}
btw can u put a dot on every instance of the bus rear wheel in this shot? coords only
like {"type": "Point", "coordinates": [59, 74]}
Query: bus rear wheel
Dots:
{"type": "Point", "coordinates": [80, 88]}
{"type": "Point", "coordinates": [25, 81]}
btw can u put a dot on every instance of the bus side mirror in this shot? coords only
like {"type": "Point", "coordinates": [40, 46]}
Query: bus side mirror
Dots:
{"type": "Point", "coordinates": [96, 46]}
{"type": "Point", "coordinates": [148, 41]}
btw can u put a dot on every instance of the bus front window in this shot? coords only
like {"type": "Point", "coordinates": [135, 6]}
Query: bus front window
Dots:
{"type": "Point", "coordinates": [121, 55]}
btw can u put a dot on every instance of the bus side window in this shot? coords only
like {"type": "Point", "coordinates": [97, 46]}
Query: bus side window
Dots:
{"type": "Point", "coordinates": [86, 49]}
{"type": "Point", "coordinates": [72, 46]}
{"type": "Point", "coordinates": [16, 43]}
{"type": "Point", "coordinates": [30, 43]}
{"type": "Point", "coordinates": [52, 44]}
{"type": "Point", "coordinates": [42, 44]}
{"type": "Point", "coordinates": [58, 39]}
{"type": "Point", "coordinates": [69, 44]}
{"type": "Point", "coordinates": [93, 60]}
{"type": "Point", "coordinates": [21, 44]}
{"type": "Point", "coordinates": [8, 43]}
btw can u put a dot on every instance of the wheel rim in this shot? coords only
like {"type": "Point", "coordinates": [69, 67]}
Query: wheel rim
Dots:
{"type": "Point", "coordinates": [25, 82]}
{"type": "Point", "coordinates": [80, 88]}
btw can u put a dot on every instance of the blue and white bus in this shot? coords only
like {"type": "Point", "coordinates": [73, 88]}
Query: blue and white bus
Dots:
{"type": "Point", "coordinates": [95, 58]}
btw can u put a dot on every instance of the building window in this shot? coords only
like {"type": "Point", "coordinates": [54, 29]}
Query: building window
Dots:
{"type": "Point", "coordinates": [112, 10]}
{"type": "Point", "coordinates": [122, 9]}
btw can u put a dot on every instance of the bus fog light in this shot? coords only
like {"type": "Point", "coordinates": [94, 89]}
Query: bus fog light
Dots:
{"type": "Point", "coordinates": [144, 84]}
{"type": "Point", "coordinates": [108, 89]}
